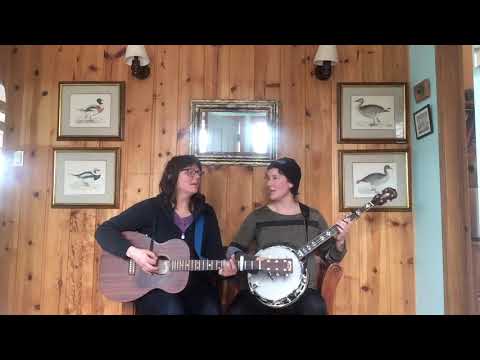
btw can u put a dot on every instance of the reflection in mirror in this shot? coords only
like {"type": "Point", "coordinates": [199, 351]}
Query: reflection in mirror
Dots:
{"type": "Point", "coordinates": [234, 132]}
{"type": "Point", "coordinates": [240, 132]}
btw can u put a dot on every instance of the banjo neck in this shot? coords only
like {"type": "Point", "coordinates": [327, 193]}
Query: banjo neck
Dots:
{"type": "Point", "coordinates": [333, 231]}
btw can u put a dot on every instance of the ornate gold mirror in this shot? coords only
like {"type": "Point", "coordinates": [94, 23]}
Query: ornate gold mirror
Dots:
{"type": "Point", "coordinates": [234, 131]}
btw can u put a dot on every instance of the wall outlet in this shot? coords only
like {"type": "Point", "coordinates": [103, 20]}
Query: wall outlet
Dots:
{"type": "Point", "coordinates": [18, 158]}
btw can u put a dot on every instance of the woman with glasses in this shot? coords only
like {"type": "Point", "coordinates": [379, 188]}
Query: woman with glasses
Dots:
{"type": "Point", "coordinates": [172, 214]}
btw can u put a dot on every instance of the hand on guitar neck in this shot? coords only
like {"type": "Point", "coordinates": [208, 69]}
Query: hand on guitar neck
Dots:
{"type": "Point", "coordinates": [229, 268]}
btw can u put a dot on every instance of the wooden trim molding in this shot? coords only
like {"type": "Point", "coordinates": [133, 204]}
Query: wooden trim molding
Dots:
{"type": "Point", "coordinates": [457, 254]}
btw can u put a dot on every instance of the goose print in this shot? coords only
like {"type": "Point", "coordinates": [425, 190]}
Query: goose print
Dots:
{"type": "Point", "coordinates": [370, 180]}
{"type": "Point", "coordinates": [372, 112]}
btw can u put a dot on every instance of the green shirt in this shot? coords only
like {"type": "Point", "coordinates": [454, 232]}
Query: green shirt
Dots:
{"type": "Point", "coordinates": [259, 231]}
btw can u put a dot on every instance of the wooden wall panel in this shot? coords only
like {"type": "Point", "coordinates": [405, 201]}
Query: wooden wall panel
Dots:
{"type": "Point", "coordinates": [165, 110]}
{"type": "Point", "coordinates": [117, 71]}
{"type": "Point", "coordinates": [10, 194]}
{"type": "Point", "coordinates": [349, 69]}
{"type": "Point", "coordinates": [241, 79]}
{"type": "Point", "coordinates": [292, 109]}
{"type": "Point", "coordinates": [63, 258]}
{"type": "Point", "coordinates": [476, 274]}
{"type": "Point", "coordinates": [57, 239]}
{"type": "Point", "coordinates": [31, 250]}
{"type": "Point", "coordinates": [266, 87]}
{"type": "Point", "coordinates": [191, 83]}
{"type": "Point", "coordinates": [318, 140]}
{"type": "Point", "coordinates": [80, 275]}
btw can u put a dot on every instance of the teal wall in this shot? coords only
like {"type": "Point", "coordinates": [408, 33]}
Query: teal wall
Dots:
{"type": "Point", "coordinates": [427, 210]}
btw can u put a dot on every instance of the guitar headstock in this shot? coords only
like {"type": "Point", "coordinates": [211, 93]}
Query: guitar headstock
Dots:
{"type": "Point", "coordinates": [278, 267]}
{"type": "Point", "coordinates": [387, 194]}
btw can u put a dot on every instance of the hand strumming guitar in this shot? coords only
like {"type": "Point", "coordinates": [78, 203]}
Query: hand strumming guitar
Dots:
{"type": "Point", "coordinates": [146, 259]}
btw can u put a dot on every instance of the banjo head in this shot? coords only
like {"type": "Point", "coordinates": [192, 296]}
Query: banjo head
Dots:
{"type": "Point", "coordinates": [270, 290]}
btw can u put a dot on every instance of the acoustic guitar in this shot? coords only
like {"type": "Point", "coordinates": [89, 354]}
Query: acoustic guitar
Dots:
{"type": "Point", "coordinates": [122, 280]}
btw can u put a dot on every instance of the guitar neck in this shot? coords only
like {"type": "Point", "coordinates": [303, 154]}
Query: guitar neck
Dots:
{"type": "Point", "coordinates": [333, 231]}
{"type": "Point", "coordinates": [215, 265]}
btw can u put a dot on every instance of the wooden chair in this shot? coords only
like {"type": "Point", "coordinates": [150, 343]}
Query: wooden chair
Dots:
{"type": "Point", "coordinates": [327, 282]}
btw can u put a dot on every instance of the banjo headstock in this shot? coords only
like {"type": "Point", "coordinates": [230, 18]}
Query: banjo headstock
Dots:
{"type": "Point", "coordinates": [387, 194]}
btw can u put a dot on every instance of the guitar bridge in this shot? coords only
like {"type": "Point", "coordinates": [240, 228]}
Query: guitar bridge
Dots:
{"type": "Point", "coordinates": [131, 267]}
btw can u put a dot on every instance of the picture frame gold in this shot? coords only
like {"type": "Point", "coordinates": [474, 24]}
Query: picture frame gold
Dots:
{"type": "Point", "coordinates": [372, 112]}
{"type": "Point", "coordinates": [359, 172]}
{"type": "Point", "coordinates": [91, 110]}
{"type": "Point", "coordinates": [85, 177]}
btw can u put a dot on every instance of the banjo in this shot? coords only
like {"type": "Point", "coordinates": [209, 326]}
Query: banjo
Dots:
{"type": "Point", "coordinates": [278, 292]}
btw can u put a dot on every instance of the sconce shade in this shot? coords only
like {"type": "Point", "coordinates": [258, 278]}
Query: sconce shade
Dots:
{"type": "Point", "coordinates": [476, 56]}
{"type": "Point", "coordinates": [326, 53]}
{"type": "Point", "coordinates": [137, 50]}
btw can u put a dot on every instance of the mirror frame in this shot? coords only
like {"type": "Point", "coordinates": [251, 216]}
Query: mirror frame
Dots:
{"type": "Point", "coordinates": [233, 158]}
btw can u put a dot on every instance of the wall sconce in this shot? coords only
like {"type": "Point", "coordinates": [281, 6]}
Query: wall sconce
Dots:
{"type": "Point", "coordinates": [325, 58]}
{"type": "Point", "coordinates": [476, 56]}
{"type": "Point", "coordinates": [136, 56]}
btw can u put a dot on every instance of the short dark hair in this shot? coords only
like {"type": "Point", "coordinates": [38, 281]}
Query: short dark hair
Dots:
{"type": "Point", "coordinates": [290, 169]}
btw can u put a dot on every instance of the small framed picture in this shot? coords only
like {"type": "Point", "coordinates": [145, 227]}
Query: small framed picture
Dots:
{"type": "Point", "coordinates": [423, 122]}
{"type": "Point", "coordinates": [365, 173]}
{"type": "Point", "coordinates": [91, 110]}
{"type": "Point", "coordinates": [372, 112]}
{"type": "Point", "coordinates": [422, 90]}
{"type": "Point", "coordinates": [86, 177]}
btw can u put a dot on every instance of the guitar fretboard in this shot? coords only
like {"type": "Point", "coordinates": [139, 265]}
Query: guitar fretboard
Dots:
{"type": "Point", "coordinates": [207, 265]}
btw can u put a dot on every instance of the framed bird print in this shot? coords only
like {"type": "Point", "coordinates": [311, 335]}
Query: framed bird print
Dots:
{"type": "Point", "coordinates": [364, 173]}
{"type": "Point", "coordinates": [86, 177]}
{"type": "Point", "coordinates": [91, 110]}
{"type": "Point", "coordinates": [372, 112]}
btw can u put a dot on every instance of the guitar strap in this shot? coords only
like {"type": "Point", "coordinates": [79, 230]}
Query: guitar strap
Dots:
{"type": "Point", "coordinates": [199, 235]}
{"type": "Point", "coordinates": [306, 213]}
{"type": "Point", "coordinates": [154, 231]}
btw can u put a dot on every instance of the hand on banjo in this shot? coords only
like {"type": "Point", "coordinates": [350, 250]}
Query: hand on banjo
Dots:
{"type": "Point", "coordinates": [343, 226]}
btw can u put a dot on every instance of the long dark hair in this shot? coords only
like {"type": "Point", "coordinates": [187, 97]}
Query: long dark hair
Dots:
{"type": "Point", "coordinates": [168, 183]}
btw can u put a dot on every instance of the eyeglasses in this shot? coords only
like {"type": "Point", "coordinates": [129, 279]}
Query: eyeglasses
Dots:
{"type": "Point", "coordinates": [192, 172]}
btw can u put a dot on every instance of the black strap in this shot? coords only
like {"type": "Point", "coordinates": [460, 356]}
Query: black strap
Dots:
{"type": "Point", "coordinates": [306, 213]}
{"type": "Point", "coordinates": [154, 231]}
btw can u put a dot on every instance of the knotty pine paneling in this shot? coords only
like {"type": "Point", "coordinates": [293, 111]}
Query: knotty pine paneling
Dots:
{"type": "Point", "coordinates": [58, 272]}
